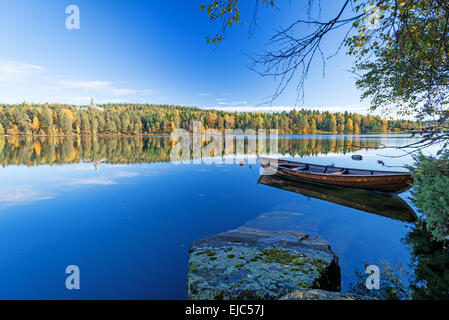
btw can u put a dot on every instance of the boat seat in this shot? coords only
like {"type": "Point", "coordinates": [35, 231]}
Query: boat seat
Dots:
{"type": "Point", "coordinates": [303, 168]}
{"type": "Point", "coordinates": [341, 171]}
{"type": "Point", "coordinates": [331, 170]}
{"type": "Point", "coordinates": [358, 172]}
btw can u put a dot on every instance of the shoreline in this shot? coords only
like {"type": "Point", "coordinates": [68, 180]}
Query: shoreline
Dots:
{"type": "Point", "coordinates": [191, 134]}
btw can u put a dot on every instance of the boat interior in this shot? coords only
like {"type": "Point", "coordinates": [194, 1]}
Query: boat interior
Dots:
{"type": "Point", "coordinates": [330, 170]}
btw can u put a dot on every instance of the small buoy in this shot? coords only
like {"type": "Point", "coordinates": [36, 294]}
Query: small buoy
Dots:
{"type": "Point", "coordinates": [357, 157]}
{"type": "Point", "coordinates": [241, 163]}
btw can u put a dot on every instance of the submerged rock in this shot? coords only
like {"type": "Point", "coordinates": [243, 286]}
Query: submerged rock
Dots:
{"type": "Point", "coordinates": [247, 263]}
{"type": "Point", "coordinates": [316, 294]}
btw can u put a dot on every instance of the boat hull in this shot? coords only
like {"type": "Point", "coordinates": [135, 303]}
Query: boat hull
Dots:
{"type": "Point", "coordinates": [379, 203]}
{"type": "Point", "coordinates": [391, 182]}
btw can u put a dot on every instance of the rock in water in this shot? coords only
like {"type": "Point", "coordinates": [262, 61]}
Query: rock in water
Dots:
{"type": "Point", "coordinates": [316, 294]}
{"type": "Point", "coordinates": [247, 263]}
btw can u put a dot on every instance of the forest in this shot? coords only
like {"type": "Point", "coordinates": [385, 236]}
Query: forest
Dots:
{"type": "Point", "coordinates": [138, 119]}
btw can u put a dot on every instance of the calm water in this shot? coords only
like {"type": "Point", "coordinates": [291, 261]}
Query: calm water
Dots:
{"type": "Point", "coordinates": [126, 215]}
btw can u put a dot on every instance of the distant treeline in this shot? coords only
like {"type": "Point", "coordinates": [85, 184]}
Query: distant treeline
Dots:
{"type": "Point", "coordinates": [31, 151]}
{"type": "Point", "coordinates": [136, 119]}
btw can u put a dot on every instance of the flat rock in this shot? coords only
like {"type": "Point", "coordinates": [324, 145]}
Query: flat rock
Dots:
{"type": "Point", "coordinates": [248, 263]}
{"type": "Point", "coordinates": [316, 294]}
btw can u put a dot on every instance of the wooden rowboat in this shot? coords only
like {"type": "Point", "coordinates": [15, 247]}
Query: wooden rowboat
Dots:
{"type": "Point", "coordinates": [375, 180]}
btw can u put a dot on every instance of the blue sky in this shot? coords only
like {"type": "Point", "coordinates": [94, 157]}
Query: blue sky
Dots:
{"type": "Point", "coordinates": [155, 52]}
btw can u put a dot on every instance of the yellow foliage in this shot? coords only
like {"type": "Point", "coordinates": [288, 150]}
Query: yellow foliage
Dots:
{"type": "Point", "coordinates": [37, 148]}
{"type": "Point", "coordinates": [35, 124]}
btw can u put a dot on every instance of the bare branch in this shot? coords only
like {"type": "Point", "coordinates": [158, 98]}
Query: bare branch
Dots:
{"type": "Point", "coordinates": [293, 54]}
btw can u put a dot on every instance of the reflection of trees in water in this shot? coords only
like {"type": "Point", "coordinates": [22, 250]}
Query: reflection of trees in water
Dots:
{"type": "Point", "coordinates": [58, 150]}
{"type": "Point", "coordinates": [393, 282]}
{"type": "Point", "coordinates": [315, 146]}
{"type": "Point", "coordinates": [429, 275]}
{"type": "Point", "coordinates": [431, 259]}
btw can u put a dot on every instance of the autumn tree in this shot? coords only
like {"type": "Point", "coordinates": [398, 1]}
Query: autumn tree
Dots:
{"type": "Point", "coordinates": [136, 119]}
{"type": "Point", "coordinates": [66, 118]}
{"type": "Point", "coordinates": [349, 127]}
{"type": "Point", "coordinates": [356, 128]}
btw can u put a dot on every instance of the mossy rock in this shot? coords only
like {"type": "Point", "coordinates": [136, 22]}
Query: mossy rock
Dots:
{"type": "Point", "coordinates": [269, 266]}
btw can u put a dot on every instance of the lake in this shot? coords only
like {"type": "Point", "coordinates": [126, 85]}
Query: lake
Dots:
{"type": "Point", "coordinates": [125, 211]}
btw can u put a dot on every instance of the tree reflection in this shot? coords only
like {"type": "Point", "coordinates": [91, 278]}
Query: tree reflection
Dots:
{"type": "Point", "coordinates": [431, 260]}
{"type": "Point", "coordinates": [429, 276]}
{"type": "Point", "coordinates": [32, 151]}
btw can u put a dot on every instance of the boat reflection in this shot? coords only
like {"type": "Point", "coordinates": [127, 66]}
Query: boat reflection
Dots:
{"type": "Point", "coordinates": [386, 205]}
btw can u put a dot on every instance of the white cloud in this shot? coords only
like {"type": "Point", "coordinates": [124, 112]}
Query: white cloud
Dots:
{"type": "Point", "coordinates": [111, 100]}
{"type": "Point", "coordinates": [71, 99]}
{"type": "Point", "coordinates": [34, 83]}
{"type": "Point", "coordinates": [236, 103]}
{"type": "Point", "coordinates": [125, 174]}
{"type": "Point", "coordinates": [103, 180]}
{"type": "Point", "coordinates": [18, 71]}
{"type": "Point", "coordinates": [103, 86]}
{"type": "Point", "coordinates": [121, 91]}
{"type": "Point", "coordinates": [21, 195]}
{"type": "Point", "coordinates": [223, 102]}
{"type": "Point", "coordinates": [92, 85]}
{"type": "Point", "coordinates": [237, 107]}
{"type": "Point", "coordinates": [88, 181]}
